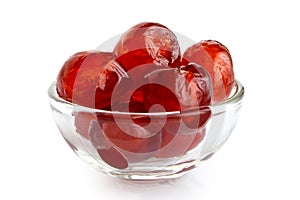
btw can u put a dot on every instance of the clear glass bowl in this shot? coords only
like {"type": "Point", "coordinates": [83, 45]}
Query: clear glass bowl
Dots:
{"type": "Point", "coordinates": [120, 145]}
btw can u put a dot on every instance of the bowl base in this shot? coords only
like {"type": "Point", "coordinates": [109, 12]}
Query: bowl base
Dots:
{"type": "Point", "coordinates": [164, 174]}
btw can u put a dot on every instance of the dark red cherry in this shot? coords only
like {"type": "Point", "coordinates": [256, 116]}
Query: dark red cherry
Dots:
{"type": "Point", "coordinates": [188, 91]}
{"type": "Point", "coordinates": [147, 43]}
{"type": "Point", "coordinates": [180, 89]}
{"type": "Point", "coordinates": [130, 136]}
{"type": "Point", "coordinates": [88, 79]}
{"type": "Point", "coordinates": [179, 144]}
{"type": "Point", "coordinates": [108, 153]}
{"type": "Point", "coordinates": [216, 59]}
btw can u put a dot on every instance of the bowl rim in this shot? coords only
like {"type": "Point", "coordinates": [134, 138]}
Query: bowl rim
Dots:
{"type": "Point", "coordinates": [235, 97]}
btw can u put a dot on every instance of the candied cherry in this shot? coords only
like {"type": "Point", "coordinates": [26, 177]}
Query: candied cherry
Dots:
{"type": "Point", "coordinates": [131, 94]}
{"type": "Point", "coordinates": [147, 43]}
{"type": "Point", "coordinates": [130, 132]}
{"type": "Point", "coordinates": [179, 89]}
{"type": "Point", "coordinates": [188, 90]}
{"type": "Point", "coordinates": [107, 137]}
{"type": "Point", "coordinates": [88, 79]}
{"type": "Point", "coordinates": [176, 145]}
{"type": "Point", "coordinates": [131, 137]}
{"type": "Point", "coordinates": [109, 154]}
{"type": "Point", "coordinates": [216, 59]}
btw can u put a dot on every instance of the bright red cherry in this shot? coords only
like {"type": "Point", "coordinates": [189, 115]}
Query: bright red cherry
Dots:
{"type": "Point", "coordinates": [216, 59]}
{"type": "Point", "coordinates": [88, 79]}
{"type": "Point", "coordinates": [148, 43]}
{"type": "Point", "coordinates": [187, 90]}
{"type": "Point", "coordinates": [179, 144]}
{"type": "Point", "coordinates": [179, 89]}
{"type": "Point", "coordinates": [108, 153]}
{"type": "Point", "coordinates": [130, 137]}
{"type": "Point", "coordinates": [131, 95]}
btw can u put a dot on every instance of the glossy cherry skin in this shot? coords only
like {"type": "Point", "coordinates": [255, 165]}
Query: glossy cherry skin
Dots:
{"type": "Point", "coordinates": [216, 59]}
{"type": "Point", "coordinates": [130, 138]}
{"type": "Point", "coordinates": [128, 133]}
{"type": "Point", "coordinates": [179, 89]}
{"type": "Point", "coordinates": [179, 144]}
{"type": "Point", "coordinates": [108, 153]}
{"type": "Point", "coordinates": [88, 79]}
{"type": "Point", "coordinates": [131, 95]}
{"type": "Point", "coordinates": [133, 138]}
{"type": "Point", "coordinates": [187, 90]}
{"type": "Point", "coordinates": [147, 43]}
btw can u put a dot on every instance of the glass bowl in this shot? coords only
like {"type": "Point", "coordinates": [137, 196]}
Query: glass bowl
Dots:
{"type": "Point", "coordinates": [120, 144]}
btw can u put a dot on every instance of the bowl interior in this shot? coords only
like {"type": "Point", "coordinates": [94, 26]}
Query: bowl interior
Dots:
{"type": "Point", "coordinates": [146, 146]}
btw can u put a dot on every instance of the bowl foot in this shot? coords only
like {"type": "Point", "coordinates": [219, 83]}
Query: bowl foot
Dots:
{"type": "Point", "coordinates": [165, 174]}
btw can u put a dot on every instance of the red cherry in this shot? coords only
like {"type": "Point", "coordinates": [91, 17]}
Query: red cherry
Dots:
{"type": "Point", "coordinates": [147, 43]}
{"type": "Point", "coordinates": [177, 145]}
{"type": "Point", "coordinates": [88, 79]}
{"type": "Point", "coordinates": [134, 151]}
{"type": "Point", "coordinates": [113, 158]}
{"type": "Point", "coordinates": [179, 89]}
{"type": "Point", "coordinates": [216, 59]}
{"type": "Point", "coordinates": [106, 151]}
{"type": "Point", "coordinates": [127, 136]}
{"type": "Point", "coordinates": [133, 90]}
{"type": "Point", "coordinates": [187, 90]}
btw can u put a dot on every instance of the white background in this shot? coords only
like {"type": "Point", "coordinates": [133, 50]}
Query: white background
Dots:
{"type": "Point", "coordinates": [259, 161]}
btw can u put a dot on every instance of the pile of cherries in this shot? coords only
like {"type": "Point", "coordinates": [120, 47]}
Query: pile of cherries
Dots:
{"type": "Point", "coordinates": [146, 73]}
